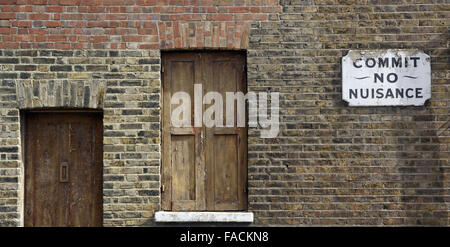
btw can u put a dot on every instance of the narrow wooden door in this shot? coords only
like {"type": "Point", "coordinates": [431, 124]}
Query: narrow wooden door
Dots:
{"type": "Point", "coordinates": [226, 147]}
{"type": "Point", "coordinates": [184, 167]}
{"type": "Point", "coordinates": [63, 169]}
{"type": "Point", "coordinates": [203, 168]}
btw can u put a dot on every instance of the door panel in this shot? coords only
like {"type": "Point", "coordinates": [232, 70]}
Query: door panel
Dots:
{"type": "Point", "coordinates": [183, 165]}
{"type": "Point", "coordinates": [63, 169]}
{"type": "Point", "coordinates": [211, 160]}
{"type": "Point", "coordinates": [183, 168]}
{"type": "Point", "coordinates": [225, 169]}
{"type": "Point", "coordinates": [226, 162]}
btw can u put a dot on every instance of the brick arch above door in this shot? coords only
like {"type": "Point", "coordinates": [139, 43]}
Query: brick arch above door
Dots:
{"type": "Point", "coordinates": [60, 94]}
{"type": "Point", "coordinates": [204, 35]}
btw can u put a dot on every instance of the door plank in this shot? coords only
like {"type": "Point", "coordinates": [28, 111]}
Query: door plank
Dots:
{"type": "Point", "coordinates": [226, 154]}
{"type": "Point", "coordinates": [182, 167]}
{"type": "Point", "coordinates": [63, 156]}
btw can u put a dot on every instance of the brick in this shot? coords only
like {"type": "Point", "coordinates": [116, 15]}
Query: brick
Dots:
{"type": "Point", "coordinates": [8, 83]}
{"type": "Point", "coordinates": [115, 90]}
{"type": "Point", "coordinates": [29, 53]}
{"type": "Point", "coordinates": [148, 61]}
{"type": "Point", "coordinates": [6, 15]}
{"type": "Point", "coordinates": [114, 2]}
{"type": "Point", "coordinates": [130, 83]}
{"type": "Point", "coordinates": [25, 75]}
{"type": "Point", "coordinates": [69, 2]}
{"type": "Point", "coordinates": [9, 149]}
{"type": "Point", "coordinates": [96, 68]}
{"type": "Point", "coordinates": [113, 134]}
{"type": "Point", "coordinates": [41, 60]}
{"type": "Point", "coordinates": [2, 2]}
{"type": "Point", "coordinates": [9, 60]}
{"type": "Point", "coordinates": [221, 17]}
{"type": "Point", "coordinates": [7, 30]}
{"type": "Point", "coordinates": [62, 53]}
{"type": "Point", "coordinates": [53, 24]}
{"type": "Point", "coordinates": [5, 23]}
{"type": "Point", "coordinates": [148, 192]}
{"type": "Point", "coordinates": [8, 75]}
{"type": "Point", "coordinates": [25, 67]}
{"type": "Point", "coordinates": [131, 112]}
{"type": "Point", "coordinates": [60, 68]}
{"type": "Point", "coordinates": [39, 16]}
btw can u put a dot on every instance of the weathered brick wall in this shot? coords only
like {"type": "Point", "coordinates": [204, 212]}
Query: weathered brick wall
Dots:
{"type": "Point", "coordinates": [331, 164]}
{"type": "Point", "coordinates": [125, 85]}
{"type": "Point", "coordinates": [340, 165]}
{"type": "Point", "coordinates": [129, 24]}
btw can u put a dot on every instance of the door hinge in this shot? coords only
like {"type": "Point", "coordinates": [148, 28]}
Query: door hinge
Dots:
{"type": "Point", "coordinates": [162, 69]}
{"type": "Point", "coordinates": [162, 188]}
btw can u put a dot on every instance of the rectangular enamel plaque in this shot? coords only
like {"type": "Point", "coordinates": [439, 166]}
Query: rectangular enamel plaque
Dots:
{"type": "Point", "coordinates": [386, 78]}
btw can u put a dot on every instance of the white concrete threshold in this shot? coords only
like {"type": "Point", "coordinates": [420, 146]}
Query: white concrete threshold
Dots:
{"type": "Point", "coordinates": [232, 217]}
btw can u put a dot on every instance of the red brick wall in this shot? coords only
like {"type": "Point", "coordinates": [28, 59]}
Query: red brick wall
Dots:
{"type": "Point", "coordinates": [129, 24]}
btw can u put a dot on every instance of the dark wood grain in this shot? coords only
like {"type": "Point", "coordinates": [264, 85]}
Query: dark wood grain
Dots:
{"type": "Point", "coordinates": [72, 141]}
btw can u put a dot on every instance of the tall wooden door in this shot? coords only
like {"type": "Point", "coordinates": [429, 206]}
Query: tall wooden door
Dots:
{"type": "Point", "coordinates": [63, 169]}
{"type": "Point", "coordinates": [203, 168]}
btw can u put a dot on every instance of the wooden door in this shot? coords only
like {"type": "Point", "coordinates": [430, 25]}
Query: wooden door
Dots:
{"type": "Point", "coordinates": [183, 169]}
{"type": "Point", "coordinates": [63, 169]}
{"type": "Point", "coordinates": [226, 147]}
{"type": "Point", "coordinates": [203, 168]}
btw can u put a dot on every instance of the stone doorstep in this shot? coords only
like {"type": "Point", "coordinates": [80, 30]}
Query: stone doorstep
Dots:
{"type": "Point", "coordinates": [240, 217]}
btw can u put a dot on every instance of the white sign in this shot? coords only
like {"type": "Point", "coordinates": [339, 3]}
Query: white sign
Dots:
{"type": "Point", "coordinates": [386, 77]}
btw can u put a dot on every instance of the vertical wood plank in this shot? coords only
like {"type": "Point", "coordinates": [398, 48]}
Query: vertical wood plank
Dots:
{"type": "Point", "coordinates": [200, 172]}
{"type": "Point", "coordinates": [166, 195]}
{"type": "Point", "coordinates": [30, 141]}
{"type": "Point", "coordinates": [209, 85]}
{"type": "Point", "coordinates": [97, 196]}
{"type": "Point", "coordinates": [226, 154]}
